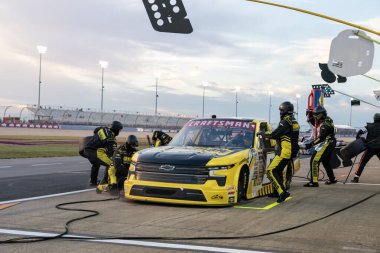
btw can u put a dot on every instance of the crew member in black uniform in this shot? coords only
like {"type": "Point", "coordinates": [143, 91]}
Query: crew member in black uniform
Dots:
{"type": "Point", "coordinates": [286, 135]}
{"type": "Point", "coordinates": [373, 145]}
{"type": "Point", "coordinates": [100, 148]}
{"type": "Point", "coordinates": [327, 142]}
{"type": "Point", "coordinates": [122, 159]}
{"type": "Point", "coordinates": [160, 138]}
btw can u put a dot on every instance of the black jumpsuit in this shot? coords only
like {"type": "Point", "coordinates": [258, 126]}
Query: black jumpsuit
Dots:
{"type": "Point", "coordinates": [327, 141]}
{"type": "Point", "coordinates": [373, 146]}
{"type": "Point", "coordinates": [160, 138]}
{"type": "Point", "coordinates": [122, 159]}
{"type": "Point", "coordinates": [99, 151]}
{"type": "Point", "coordinates": [286, 135]}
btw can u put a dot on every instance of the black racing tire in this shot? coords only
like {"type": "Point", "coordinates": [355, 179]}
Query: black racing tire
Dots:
{"type": "Point", "coordinates": [242, 184]}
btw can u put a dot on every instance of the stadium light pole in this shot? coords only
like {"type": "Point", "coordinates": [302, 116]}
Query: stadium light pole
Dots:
{"type": "Point", "coordinates": [270, 103]}
{"type": "Point", "coordinates": [297, 96]}
{"type": "Point", "coordinates": [41, 50]}
{"type": "Point", "coordinates": [155, 108]}
{"type": "Point", "coordinates": [237, 89]}
{"type": "Point", "coordinates": [204, 84]}
{"type": "Point", "coordinates": [103, 65]}
{"type": "Point", "coordinates": [157, 74]}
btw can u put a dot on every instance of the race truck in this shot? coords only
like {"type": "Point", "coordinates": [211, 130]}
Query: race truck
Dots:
{"type": "Point", "coordinates": [211, 161]}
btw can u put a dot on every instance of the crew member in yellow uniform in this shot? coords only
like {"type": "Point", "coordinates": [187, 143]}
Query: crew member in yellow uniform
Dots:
{"type": "Point", "coordinates": [286, 136]}
{"type": "Point", "coordinates": [122, 159]}
{"type": "Point", "coordinates": [326, 143]}
{"type": "Point", "coordinates": [160, 138]}
{"type": "Point", "coordinates": [100, 148]}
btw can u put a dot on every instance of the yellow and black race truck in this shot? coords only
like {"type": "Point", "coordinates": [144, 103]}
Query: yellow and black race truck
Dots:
{"type": "Point", "coordinates": [213, 161]}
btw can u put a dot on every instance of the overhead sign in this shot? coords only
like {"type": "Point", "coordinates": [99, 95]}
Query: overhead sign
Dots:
{"type": "Point", "coordinates": [327, 91]}
{"type": "Point", "coordinates": [168, 16]}
{"type": "Point", "coordinates": [350, 54]}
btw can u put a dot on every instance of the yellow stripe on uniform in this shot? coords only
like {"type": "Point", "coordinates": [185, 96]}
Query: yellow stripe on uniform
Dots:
{"type": "Point", "coordinates": [315, 161]}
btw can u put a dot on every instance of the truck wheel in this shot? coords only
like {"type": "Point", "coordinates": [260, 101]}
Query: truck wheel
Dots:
{"type": "Point", "coordinates": [242, 184]}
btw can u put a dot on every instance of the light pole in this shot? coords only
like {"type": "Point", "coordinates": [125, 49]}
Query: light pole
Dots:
{"type": "Point", "coordinates": [297, 96]}
{"type": "Point", "coordinates": [237, 89]}
{"type": "Point", "coordinates": [103, 65]}
{"type": "Point", "coordinates": [41, 50]}
{"type": "Point", "coordinates": [270, 103]}
{"type": "Point", "coordinates": [155, 109]}
{"type": "Point", "coordinates": [204, 84]}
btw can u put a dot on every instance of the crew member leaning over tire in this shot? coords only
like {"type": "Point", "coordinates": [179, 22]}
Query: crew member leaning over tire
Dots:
{"type": "Point", "coordinates": [100, 148]}
{"type": "Point", "coordinates": [327, 142]}
{"type": "Point", "coordinates": [122, 159]}
{"type": "Point", "coordinates": [373, 145]}
{"type": "Point", "coordinates": [160, 138]}
{"type": "Point", "coordinates": [286, 136]}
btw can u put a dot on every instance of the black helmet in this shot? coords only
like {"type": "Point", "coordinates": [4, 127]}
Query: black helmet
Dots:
{"type": "Point", "coordinates": [376, 118]}
{"type": "Point", "coordinates": [132, 141]}
{"type": "Point", "coordinates": [286, 108]}
{"type": "Point", "coordinates": [156, 135]}
{"type": "Point", "coordinates": [320, 113]}
{"type": "Point", "coordinates": [116, 127]}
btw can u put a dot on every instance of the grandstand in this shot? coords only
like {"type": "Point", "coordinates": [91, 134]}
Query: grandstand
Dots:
{"type": "Point", "coordinates": [80, 116]}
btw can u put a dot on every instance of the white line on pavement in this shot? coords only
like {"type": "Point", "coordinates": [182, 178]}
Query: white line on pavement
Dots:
{"type": "Point", "coordinates": [45, 164]}
{"type": "Point", "coordinates": [136, 242]}
{"type": "Point", "coordinates": [45, 196]}
{"type": "Point", "coordinates": [2, 167]}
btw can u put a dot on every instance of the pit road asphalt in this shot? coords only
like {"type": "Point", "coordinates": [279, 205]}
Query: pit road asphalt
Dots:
{"type": "Point", "coordinates": [356, 229]}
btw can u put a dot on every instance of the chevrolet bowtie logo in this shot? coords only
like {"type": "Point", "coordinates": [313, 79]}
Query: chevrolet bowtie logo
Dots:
{"type": "Point", "coordinates": [167, 167]}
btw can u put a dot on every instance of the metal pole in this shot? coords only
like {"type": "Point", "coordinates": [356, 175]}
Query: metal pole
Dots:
{"type": "Point", "coordinates": [203, 104]}
{"type": "Point", "coordinates": [236, 107]}
{"type": "Point", "coordinates": [270, 105]}
{"type": "Point", "coordinates": [350, 114]}
{"type": "Point", "coordinates": [6, 108]}
{"type": "Point", "coordinates": [39, 84]}
{"type": "Point", "coordinates": [155, 111]}
{"type": "Point", "coordinates": [21, 112]}
{"type": "Point", "coordinates": [101, 103]}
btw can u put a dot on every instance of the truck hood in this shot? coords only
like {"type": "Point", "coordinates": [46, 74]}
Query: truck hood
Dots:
{"type": "Point", "coordinates": [194, 156]}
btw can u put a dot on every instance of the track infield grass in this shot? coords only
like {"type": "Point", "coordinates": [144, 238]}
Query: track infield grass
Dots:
{"type": "Point", "coordinates": [12, 146]}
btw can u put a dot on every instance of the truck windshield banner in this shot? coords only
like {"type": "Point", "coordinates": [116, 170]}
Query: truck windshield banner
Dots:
{"type": "Point", "coordinates": [222, 123]}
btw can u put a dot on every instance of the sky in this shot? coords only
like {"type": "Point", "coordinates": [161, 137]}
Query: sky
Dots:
{"type": "Point", "coordinates": [256, 47]}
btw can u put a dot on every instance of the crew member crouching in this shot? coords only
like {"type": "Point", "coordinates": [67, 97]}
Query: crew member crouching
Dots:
{"type": "Point", "coordinates": [121, 160]}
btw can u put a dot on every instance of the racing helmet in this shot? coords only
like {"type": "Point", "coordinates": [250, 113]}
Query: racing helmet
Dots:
{"type": "Point", "coordinates": [320, 113]}
{"type": "Point", "coordinates": [132, 141]}
{"type": "Point", "coordinates": [286, 108]}
{"type": "Point", "coordinates": [376, 118]}
{"type": "Point", "coordinates": [116, 126]}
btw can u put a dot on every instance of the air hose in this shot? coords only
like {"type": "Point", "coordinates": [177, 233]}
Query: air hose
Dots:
{"type": "Point", "coordinates": [94, 213]}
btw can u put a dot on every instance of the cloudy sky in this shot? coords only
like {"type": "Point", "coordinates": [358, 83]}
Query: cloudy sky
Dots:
{"type": "Point", "coordinates": [234, 43]}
